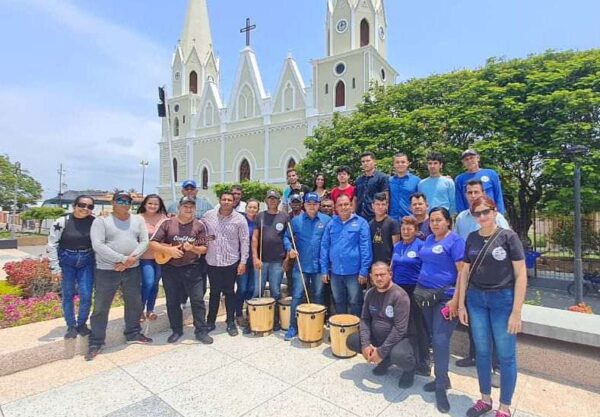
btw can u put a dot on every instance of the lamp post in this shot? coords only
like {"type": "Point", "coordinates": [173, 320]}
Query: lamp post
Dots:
{"type": "Point", "coordinates": [14, 211]}
{"type": "Point", "coordinates": [144, 164]}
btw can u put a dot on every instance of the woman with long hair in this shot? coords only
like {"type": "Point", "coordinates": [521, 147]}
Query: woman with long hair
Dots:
{"type": "Point", "coordinates": [245, 282]}
{"type": "Point", "coordinates": [441, 255]}
{"type": "Point", "coordinates": [319, 186]}
{"type": "Point", "coordinates": [491, 294]}
{"type": "Point", "coordinates": [153, 211]}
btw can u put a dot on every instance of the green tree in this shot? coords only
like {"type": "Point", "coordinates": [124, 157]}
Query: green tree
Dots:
{"type": "Point", "coordinates": [517, 113]}
{"type": "Point", "coordinates": [42, 213]}
{"type": "Point", "coordinates": [251, 189]}
{"type": "Point", "coordinates": [28, 189]}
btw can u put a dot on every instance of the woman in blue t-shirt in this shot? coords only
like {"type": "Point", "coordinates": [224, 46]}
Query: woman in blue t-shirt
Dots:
{"type": "Point", "coordinates": [441, 255]}
{"type": "Point", "coordinates": [245, 282]}
{"type": "Point", "coordinates": [406, 266]}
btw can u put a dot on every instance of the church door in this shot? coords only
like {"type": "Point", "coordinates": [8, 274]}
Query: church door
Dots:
{"type": "Point", "coordinates": [340, 94]}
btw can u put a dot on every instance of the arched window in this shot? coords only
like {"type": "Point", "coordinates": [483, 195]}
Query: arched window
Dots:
{"type": "Point", "coordinates": [288, 98]}
{"type": "Point", "coordinates": [364, 32]}
{"type": "Point", "coordinates": [205, 178]}
{"type": "Point", "coordinates": [353, 82]}
{"type": "Point", "coordinates": [291, 164]}
{"type": "Point", "coordinates": [175, 169]}
{"type": "Point", "coordinates": [193, 82]}
{"type": "Point", "coordinates": [244, 170]}
{"type": "Point", "coordinates": [208, 114]}
{"type": "Point", "coordinates": [176, 127]}
{"type": "Point", "coordinates": [340, 94]}
{"type": "Point", "coordinates": [326, 88]}
{"type": "Point", "coordinates": [246, 103]}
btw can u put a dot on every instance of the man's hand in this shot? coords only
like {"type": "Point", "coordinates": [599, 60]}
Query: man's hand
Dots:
{"type": "Point", "coordinates": [325, 279]}
{"type": "Point", "coordinates": [375, 358]}
{"type": "Point", "coordinates": [362, 280]}
{"type": "Point", "coordinates": [120, 267]}
{"type": "Point", "coordinates": [292, 254]}
{"type": "Point", "coordinates": [367, 352]}
{"type": "Point", "coordinates": [130, 261]}
{"type": "Point", "coordinates": [257, 263]}
{"type": "Point", "coordinates": [241, 269]}
{"type": "Point", "coordinates": [175, 252]}
{"type": "Point", "coordinates": [201, 250]}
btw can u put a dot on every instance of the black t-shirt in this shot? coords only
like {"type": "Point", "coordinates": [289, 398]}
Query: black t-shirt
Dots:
{"type": "Point", "coordinates": [495, 270]}
{"type": "Point", "coordinates": [76, 235]}
{"type": "Point", "coordinates": [273, 229]}
{"type": "Point", "coordinates": [381, 238]}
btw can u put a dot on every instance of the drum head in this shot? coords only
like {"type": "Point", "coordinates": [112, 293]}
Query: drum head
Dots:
{"type": "Point", "coordinates": [344, 320]}
{"type": "Point", "coordinates": [287, 301]}
{"type": "Point", "coordinates": [265, 301]}
{"type": "Point", "coordinates": [310, 308]}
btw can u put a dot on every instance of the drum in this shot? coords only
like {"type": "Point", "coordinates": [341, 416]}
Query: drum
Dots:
{"type": "Point", "coordinates": [261, 314]}
{"type": "Point", "coordinates": [311, 319]}
{"type": "Point", "coordinates": [284, 305]}
{"type": "Point", "coordinates": [340, 327]}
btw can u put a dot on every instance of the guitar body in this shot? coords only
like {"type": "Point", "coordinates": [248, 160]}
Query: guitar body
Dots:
{"type": "Point", "coordinates": [162, 258]}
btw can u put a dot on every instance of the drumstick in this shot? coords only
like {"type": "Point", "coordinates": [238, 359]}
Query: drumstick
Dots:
{"type": "Point", "coordinates": [299, 264]}
{"type": "Point", "coordinates": [260, 258]}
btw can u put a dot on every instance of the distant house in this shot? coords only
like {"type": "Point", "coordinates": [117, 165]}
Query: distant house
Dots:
{"type": "Point", "coordinates": [102, 199]}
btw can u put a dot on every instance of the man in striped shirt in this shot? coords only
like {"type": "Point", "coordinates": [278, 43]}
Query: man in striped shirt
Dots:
{"type": "Point", "coordinates": [226, 258]}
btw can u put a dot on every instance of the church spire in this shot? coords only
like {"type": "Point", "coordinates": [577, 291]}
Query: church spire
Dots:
{"type": "Point", "coordinates": [196, 31]}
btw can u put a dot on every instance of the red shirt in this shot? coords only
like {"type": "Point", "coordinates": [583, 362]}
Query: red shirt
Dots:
{"type": "Point", "coordinates": [336, 192]}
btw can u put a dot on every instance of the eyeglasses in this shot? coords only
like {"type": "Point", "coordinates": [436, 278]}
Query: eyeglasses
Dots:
{"type": "Point", "coordinates": [121, 202]}
{"type": "Point", "coordinates": [484, 212]}
{"type": "Point", "coordinates": [85, 206]}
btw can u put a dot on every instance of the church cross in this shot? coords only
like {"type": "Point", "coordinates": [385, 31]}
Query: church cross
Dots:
{"type": "Point", "coordinates": [247, 30]}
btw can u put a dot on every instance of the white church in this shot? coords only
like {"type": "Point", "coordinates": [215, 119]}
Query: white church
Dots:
{"type": "Point", "coordinates": [253, 135]}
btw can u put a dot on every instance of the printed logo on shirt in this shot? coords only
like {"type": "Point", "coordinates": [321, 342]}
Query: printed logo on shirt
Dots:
{"type": "Point", "coordinates": [437, 249]}
{"type": "Point", "coordinates": [485, 178]}
{"type": "Point", "coordinates": [320, 225]}
{"type": "Point", "coordinates": [389, 312]}
{"type": "Point", "coordinates": [372, 309]}
{"type": "Point", "coordinates": [354, 224]}
{"type": "Point", "coordinates": [499, 253]}
{"type": "Point", "coordinates": [411, 254]}
{"type": "Point", "coordinates": [279, 227]}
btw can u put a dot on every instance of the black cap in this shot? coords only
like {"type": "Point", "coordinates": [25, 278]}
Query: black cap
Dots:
{"type": "Point", "coordinates": [121, 195]}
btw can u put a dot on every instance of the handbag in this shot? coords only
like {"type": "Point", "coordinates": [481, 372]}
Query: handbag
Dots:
{"type": "Point", "coordinates": [475, 266]}
{"type": "Point", "coordinates": [426, 297]}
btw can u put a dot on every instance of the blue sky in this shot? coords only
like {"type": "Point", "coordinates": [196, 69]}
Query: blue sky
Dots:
{"type": "Point", "coordinates": [78, 78]}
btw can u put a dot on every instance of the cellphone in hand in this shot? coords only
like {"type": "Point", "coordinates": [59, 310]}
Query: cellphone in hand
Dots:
{"type": "Point", "coordinates": [445, 312]}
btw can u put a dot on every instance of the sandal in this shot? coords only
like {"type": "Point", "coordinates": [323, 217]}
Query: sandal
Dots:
{"type": "Point", "coordinates": [151, 316]}
{"type": "Point", "coordinates": [143, 318]}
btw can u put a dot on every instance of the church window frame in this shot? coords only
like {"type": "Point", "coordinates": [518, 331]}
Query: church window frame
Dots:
{"type": "Point", "coordinates": [353, 82]}
{"type": "Point", "coordinates": [175, 168]}
{"type": "Point", "coordinates": [383, 74]}
{"type": "Point", "coordinates": [288, 102]}
{"type": "Point", "coordinates": [340, 95]}
{"type": "Point", "coordinates": [209, 114]}
{"type": "Point", "coordinates": [193, 82]}
{"type": "Point", "coordinates": [341, 26]}
{"type": "Point", "coordinates": [244, 171]}
{"type": "Point", "coordinates": [176, 129]}
{"type": "Point", "coordinates": [339, 68]}
{"type": "Point", "coordinates": [245, 103]}
{"type": "Point", "coordinates": [204, 178]}
{"type": "Point", "coordinates": [365, 32]}
{"type": "Point", "coordinates": [326, 88]}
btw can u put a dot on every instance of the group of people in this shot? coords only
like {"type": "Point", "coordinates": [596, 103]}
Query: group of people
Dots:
{"type": "Point", "coordinates": [383, 249]}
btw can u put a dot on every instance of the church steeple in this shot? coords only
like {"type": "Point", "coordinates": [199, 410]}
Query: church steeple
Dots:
{"type": "Point", "coordinates": [196, 31]}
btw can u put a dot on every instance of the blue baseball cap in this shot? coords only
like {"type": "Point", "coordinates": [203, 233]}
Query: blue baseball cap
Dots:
{"type": "Point", "coordinates": [312, 198]}
{"type": "Point", "coordinates": [189, 183]}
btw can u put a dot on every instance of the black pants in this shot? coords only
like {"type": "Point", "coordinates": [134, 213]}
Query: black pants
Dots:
{"type": "Point", "coordinates": [106, 284]}
{"type": "Point", "coordinates": [222, 281]}
{"type": "Point", "coordinates": [179, 280]}
{"type": "Point", "coordinates": [417, 331]}
{"type": "Point", "coordinates": [401, 355]}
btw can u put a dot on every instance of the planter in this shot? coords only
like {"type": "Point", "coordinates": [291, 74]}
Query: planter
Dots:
{"type": "Point", "coordinates": [32, 240]}
{"type": "Point", "coordinates": [8, 244]}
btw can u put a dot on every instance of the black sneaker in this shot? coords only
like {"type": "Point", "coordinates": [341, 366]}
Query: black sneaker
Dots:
{"type": "Point", "coordinates": [232, 329]}
{"type": "Point", "coordinates": [441, 401]}
{"type": "Point", "coordinates": [211, 327]}
{"type": "Point", "coordinates": [71, 333]}
{"type": "Point", "coordinates": [430, 386]}
{"type": "Point", "coordinates": [92, 352]}
{"type": "Point", "coordinates": [175, 336]}
{"type": "Point", "coordinates": [465, 362]}
{"type": "Point", "coordinates": [139, 339]}
{"type": "Point", "coordinates": [83, 330]}
{"type": "Point", "coordinates": [382, 367]}
{"type": "Point", "coordinates": [204, 338]}
{"type": "Point", "coordinates": [246, 330]}
{"type": "Point", "coordinates": [479, 408]}
{"type": "Point", "coordinates": [407, 379]}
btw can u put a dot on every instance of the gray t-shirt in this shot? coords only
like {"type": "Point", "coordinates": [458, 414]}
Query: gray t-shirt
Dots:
{"type": "Point", "coordinates": [384, 319]}
{"type": "Point", "coordinates": [114, 240]}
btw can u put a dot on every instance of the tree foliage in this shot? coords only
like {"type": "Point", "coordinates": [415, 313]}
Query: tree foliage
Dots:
{"type": "Point", "coordinates": [28, 189]}
{"type": "Point", "coordinates": [251, 189]}
{"type": "Point", "coordinates": [42, 213]}
{"type": "Point", "coordinates": [518, 114]}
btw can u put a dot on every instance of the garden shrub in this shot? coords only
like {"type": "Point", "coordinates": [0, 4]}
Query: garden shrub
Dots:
{"type": "Point", "coordinates": [7, 289]}
{"type": "Point", "coordinates": [17, 311]}
{"type": "Point", "coordinates": [33, 277]}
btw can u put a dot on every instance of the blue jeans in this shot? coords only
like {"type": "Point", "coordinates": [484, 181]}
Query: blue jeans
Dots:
{"type": "Point", "coordinates": [488, 317]}
{"type": "Point", "coordinates": [272, 271]}
{"type": "Point", "coordinates": [346, 290]}
{"type": "Point", "coordinates": [77, 268]}
{"type": "Point", "coordinates": [440, 333]}
{"type": "Point", "coordinates": [151, 274]}
{"type": "Point", "coordinates": [314, 284]}
{"type": "Point", "coordinates": [244, 288]}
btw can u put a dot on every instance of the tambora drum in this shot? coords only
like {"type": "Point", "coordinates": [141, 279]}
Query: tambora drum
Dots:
{"type": "Point", "coordinates": [311, 319]}
{"type": "Point", "coordinates": [340, 327]}
{"type": "Point", "coordinates": [261, 314]}
{"type": "Point", "coordinates": [284, 305]}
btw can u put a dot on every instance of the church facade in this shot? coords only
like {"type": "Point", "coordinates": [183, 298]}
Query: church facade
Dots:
{"type": "Point", "coordinates": [253, 135]}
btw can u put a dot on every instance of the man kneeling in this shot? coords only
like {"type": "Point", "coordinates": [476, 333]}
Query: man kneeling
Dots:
{"type": "Point", "coordinates": [382, 338]}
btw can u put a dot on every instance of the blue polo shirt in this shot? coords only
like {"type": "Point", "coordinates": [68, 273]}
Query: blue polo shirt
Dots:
{"type": "Point", "coordinates": [307, 234]}
{"type": "Point", "coordinates": [366, 188]}
{"type": "Point", "coordinates": [439, 192]}
{"type": "Point", "coordinates": [465, 223]}
{"type": "Point", "coordinates": [346, 247]}
{"type": "Point", "coordinates": [491, 186]}
{"type": "Point", "coordinates": [401, 188]}
{"type": "Point", "coordinates": [406, 264]}
{"type": "Point", "coordinates": [439, 261]}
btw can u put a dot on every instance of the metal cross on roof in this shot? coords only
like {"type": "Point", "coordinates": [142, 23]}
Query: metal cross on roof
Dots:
{"type": "Point", "coordinates": [247, 30]}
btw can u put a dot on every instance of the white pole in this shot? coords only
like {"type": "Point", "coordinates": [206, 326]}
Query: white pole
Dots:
{"type": "Point", "coordinates": [169, 140]}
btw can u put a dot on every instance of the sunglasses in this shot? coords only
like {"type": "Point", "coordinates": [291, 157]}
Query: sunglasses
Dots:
{"type": "Point", "coordinates": [85, 206]}
{"type": "Point", "coordinates": [122, 202]}
{"type": "Point", "coordinates": [481, 213]}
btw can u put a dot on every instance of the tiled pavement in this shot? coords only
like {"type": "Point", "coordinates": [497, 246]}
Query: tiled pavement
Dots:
{"type": "Point", "coordinates": [250, 376]}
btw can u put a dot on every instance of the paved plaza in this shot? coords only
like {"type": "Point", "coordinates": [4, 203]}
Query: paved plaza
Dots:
{"type": "Point", "coordinates": [251, 376]}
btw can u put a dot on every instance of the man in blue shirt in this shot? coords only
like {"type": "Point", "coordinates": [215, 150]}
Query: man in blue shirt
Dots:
{"type": "Point", "coordinates": [438, 189]}
{"type": "Point", "coordinates": [346, 252]}
{"type": "Point", "coordinates": [308, 228]}
{"type": "Point", "coordinates": [367, 185]}
{"type": "Point", "coordinates": [465, 222]}
{"type": "Point", "coordinates": [189, 189]}
{"type": "Point", "coordinates": [402, 185]}
{"type": "Point", "coordinates": [488, 177]}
